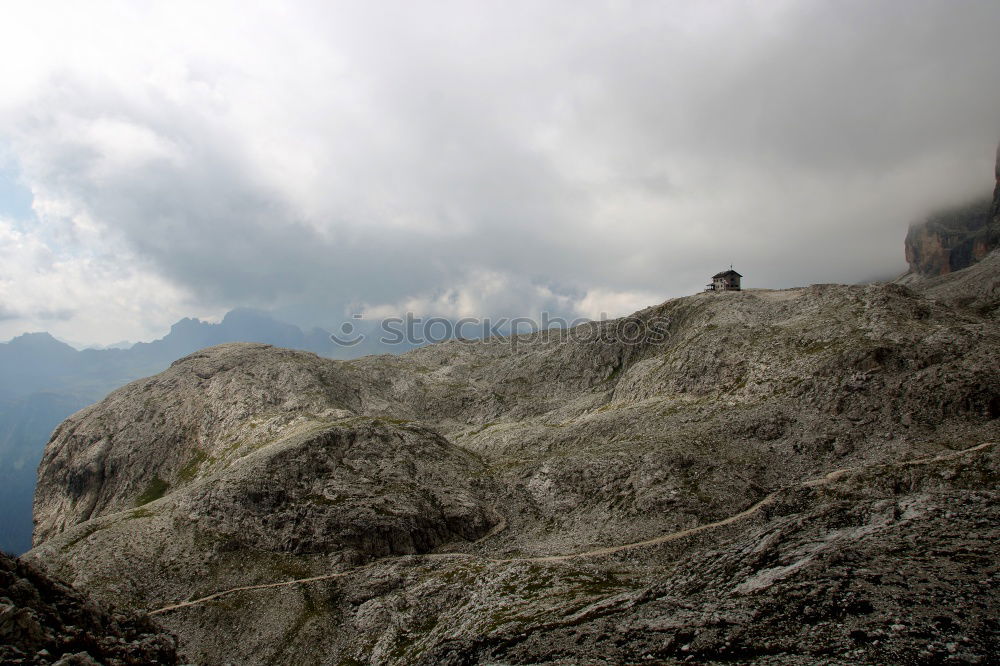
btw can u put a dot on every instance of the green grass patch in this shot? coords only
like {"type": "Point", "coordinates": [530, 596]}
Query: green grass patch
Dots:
{"type": "Point", "coordinates": [190, 469]}
{"type": "Point", "coordinates": [613, 376]}
{"type": "Point", "coordinates": [156, 489]}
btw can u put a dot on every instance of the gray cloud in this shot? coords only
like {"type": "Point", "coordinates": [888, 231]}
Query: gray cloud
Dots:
{"type": "Point", "coordinates": [513, 156]}
{"type": "Point", "coordinates": [63, 314]}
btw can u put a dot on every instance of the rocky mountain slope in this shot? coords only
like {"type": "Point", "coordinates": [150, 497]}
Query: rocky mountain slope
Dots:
{"type": "Point", "coordinates": [663, 487]}
{"type": "Point", "coordinates": [44, 621]}
{"type": "Point", "coordinates": [43, 380]}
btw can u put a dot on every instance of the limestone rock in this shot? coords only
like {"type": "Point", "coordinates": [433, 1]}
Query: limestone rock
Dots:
{"type": "Point", "coordinates": [564, 497]}
{"type": "Point", "coordinates": [953, 239]}
{"type": "Point", "coordinates": [43, 621]}
{"type": "Point", "coordinates": [956, 238]}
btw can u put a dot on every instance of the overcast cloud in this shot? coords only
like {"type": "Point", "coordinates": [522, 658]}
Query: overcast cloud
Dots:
{"type": "Point", "coordinates": [470, 158]}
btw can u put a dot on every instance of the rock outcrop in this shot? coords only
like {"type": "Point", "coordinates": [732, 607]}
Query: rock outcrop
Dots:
{"type": "Point", "coordinates": [956, 238]}
{"type": "Point", "coordinates": [43, 621]}
{"type": "Point", "coordinates": [976, 288]}
{"type": "Point", "coordinates": [476, 501]}
{"type": "Point", "coordinates": [995, 208]}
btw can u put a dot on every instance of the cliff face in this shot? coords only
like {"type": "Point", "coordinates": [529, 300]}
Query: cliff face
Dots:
{"type": "Point", "coordinates": [953, 239]}
{"type": "Point", "coordinates": [995, 209]}
{"type": "Point", "coordinates": [597, 498]}
{"type": "Point", "coordinates": [956, 238]}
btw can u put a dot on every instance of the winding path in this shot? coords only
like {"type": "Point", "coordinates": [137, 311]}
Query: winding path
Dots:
{"type": "Point", "coordinates": [598, 552]}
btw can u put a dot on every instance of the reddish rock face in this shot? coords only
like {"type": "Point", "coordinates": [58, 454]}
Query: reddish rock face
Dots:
{"type": "Point", "coordinates": [956, 238]}
{"type": "Point", "coordinates": [995, 210]}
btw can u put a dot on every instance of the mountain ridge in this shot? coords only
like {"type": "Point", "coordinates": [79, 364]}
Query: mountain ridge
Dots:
{"type": "Point", "coordinates": [245, 466]}
{"type": "Point", "coordinates": [45, 380]}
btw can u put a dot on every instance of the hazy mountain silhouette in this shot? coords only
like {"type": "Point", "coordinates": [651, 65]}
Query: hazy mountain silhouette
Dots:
{"type": "Point", "coordinates": [43, 380]}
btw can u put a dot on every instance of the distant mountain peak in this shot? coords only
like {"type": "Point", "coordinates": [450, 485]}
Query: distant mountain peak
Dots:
{"type": "Point", "coordinates": [38, 340]}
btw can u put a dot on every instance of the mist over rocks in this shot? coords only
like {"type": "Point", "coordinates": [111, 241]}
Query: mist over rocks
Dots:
{"type": "Point", "coordinates": [953, 239]}
{"type": "Point", "coordinates": [957, 237]}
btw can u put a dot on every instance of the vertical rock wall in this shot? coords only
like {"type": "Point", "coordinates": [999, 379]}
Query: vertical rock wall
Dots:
{"type": "Point", "coordinates": [956, 238]}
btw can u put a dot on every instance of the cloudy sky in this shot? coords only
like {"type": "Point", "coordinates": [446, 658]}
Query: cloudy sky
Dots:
{"type": "Point", "coordinates": [161, 160]}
